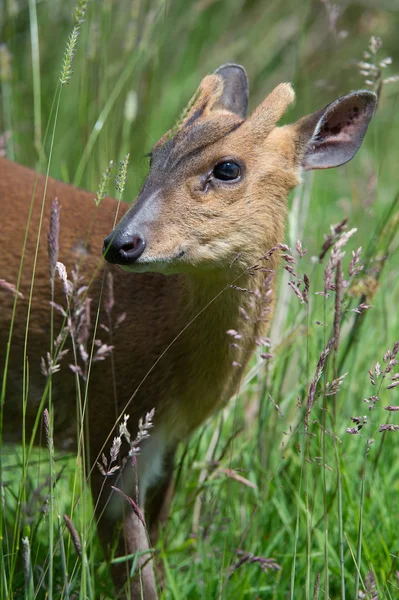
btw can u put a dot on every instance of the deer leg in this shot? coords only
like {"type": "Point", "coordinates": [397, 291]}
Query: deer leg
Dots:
{"type": "Point", "coordinates": [116, 517]}
{"type": "Point", "coordinates": [158, 502]}
{"type": "Point", "coordinates": [159, 498]}
{"type": "Point", "coordinates": [143, 585]}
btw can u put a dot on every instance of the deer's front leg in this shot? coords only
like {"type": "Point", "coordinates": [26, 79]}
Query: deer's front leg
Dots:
{"type": "Point", "coordinates": [123, 533]}
{"type": "Point", "coordinates": [136, 537]}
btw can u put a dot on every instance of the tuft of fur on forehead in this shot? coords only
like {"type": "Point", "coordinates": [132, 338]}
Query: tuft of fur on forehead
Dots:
{"type": "Point", "coordinates": [200, 124]}
{"type": "Point", "coordinates": [203, 101]}
{"type": "Point", "coordinates": [200, 105]}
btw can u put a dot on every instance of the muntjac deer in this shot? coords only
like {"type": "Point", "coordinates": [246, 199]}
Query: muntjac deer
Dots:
{"type": "Point", "coordinates": [214, 202]}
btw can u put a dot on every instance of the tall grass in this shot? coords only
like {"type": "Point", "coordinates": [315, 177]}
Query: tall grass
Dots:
{"type": "Point", "coordinates": [292, 491]}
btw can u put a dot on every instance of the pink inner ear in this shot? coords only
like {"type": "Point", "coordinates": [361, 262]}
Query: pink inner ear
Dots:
{"type": "Point", "coordinates": [342, 125]}
{"type": "Point", "coordinates": [339, 131]}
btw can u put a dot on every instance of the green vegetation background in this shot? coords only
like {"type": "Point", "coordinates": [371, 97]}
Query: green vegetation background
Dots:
{"type": "Point", "coordinates": [137, 64]}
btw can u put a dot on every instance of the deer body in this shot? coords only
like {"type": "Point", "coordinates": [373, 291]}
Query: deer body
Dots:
{"type": "Point", "coordinates": [213, 204]}
{"type": "Point", "coordinates": [158, 308]}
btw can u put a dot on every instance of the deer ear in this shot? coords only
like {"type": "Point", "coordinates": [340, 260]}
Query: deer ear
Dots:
{"type": "Point", "coordinates": [234, 97]}
{"type": "Point", "coordinates": [333, 135]}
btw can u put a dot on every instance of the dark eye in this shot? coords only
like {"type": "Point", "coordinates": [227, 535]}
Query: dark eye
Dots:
{"type": "Point", "coordinates": [226, 171]}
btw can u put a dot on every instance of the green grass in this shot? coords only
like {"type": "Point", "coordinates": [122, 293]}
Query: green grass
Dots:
{"type": "Point", "coordinates": [322, 502]}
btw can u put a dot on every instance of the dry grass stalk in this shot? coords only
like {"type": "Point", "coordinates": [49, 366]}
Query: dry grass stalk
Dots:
{"type": "Point", "coordinates": [276, 406]}
{"type": "Point", "coordinates": [316, 378]}
{"type": "Point", "coordinates": [370, 588]}
{"type": "Point", "coordinates": [266, 564]}
{"type": "Point", "coordinates": [132, 504]}
{"type": "Point", "coordinates": [316, 590]}
{"type": "Point", "coordinates": [108, 468]}
{"type": "Point", "coordinates": [337, 312]}
{"type": "Point", "coordinates": [121, 179]}
{"type": "Point", "coordinates": [333, 388]}
{"type": "Point", "coordinates": [237, 477]}
{"type": "Point", "coordinates": [10, 287]}
{"type": "Point", "coordinates": [27, 565]}
{"type": "Point", "coordinates": [336, 256]}
{"type": "Point", "coordinates": [103, 186]}
{"type": "Point", "coordinates": [335, 232]}
{"type": "Point", "coordinates": [74, 536]}
{"type": "Point", "coordinates": [372, 67]}
{"type": "Point", "coordinates": [47, 431]}
{"type": "Point", "coordinates": [53, 235]}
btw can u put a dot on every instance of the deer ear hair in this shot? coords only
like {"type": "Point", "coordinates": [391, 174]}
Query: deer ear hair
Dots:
{"type": "Point", "coordinates": [333, 135]}
{"type": "Point", "coordinates": [234, 97]}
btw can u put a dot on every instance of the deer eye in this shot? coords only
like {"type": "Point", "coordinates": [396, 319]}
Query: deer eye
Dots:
{"type": "Point", "coordinates": [227, 171]}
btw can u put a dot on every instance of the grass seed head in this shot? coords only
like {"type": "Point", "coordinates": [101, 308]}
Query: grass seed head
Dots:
{"type": "Point", "coordinates": [66, 70]}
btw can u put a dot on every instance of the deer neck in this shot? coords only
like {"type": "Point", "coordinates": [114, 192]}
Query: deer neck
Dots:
{"type": "Point", "coordinates": [222, 323]}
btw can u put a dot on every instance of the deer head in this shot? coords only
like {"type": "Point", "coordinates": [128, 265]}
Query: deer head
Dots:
{"type": "Point", "coordinates": [218, 181]}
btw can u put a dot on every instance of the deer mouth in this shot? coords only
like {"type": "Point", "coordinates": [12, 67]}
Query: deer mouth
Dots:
{"type": "Point", "coordinates": [156, 264]}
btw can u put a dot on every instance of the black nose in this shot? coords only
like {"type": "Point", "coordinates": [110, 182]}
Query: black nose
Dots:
{"type": "Point", "coordinates": [121, 250]}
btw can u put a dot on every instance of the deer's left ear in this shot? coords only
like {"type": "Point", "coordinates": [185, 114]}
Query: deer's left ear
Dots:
{"type": "Point", "coordinates": [333, 135]}
{"type": "Point", "coordinates": [234, 97]}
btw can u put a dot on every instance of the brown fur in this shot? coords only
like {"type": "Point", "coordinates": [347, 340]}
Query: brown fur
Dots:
{"type": "Point", "coordinates": [172, 351]}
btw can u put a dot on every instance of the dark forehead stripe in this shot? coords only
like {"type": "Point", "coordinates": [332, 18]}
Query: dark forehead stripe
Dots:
{"type": "Point", "coordinates": [198, 112]}
{"type": "Point", "coordinates": [191, 139]}
{"type": "Point", "coordinates": [164, 145]}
